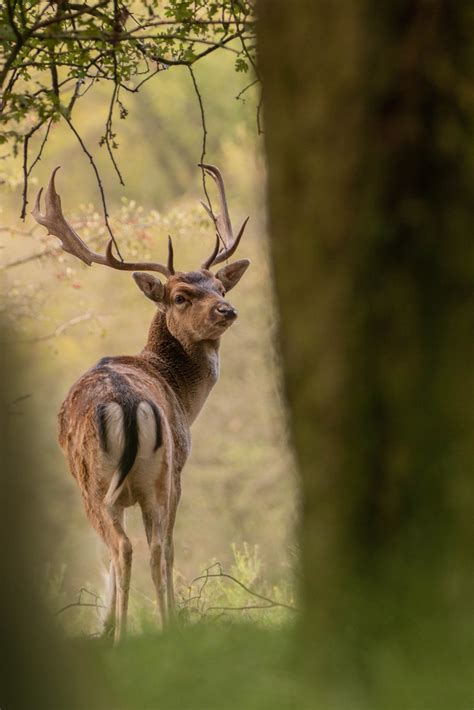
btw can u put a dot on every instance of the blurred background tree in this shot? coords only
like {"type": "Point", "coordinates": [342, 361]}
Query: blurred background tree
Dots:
{"type": "Point", "coordinates": [369, 136]}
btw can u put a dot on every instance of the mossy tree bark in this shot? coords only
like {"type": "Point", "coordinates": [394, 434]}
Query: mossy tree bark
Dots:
{"type": "Point", "coordinates": [368, 127]}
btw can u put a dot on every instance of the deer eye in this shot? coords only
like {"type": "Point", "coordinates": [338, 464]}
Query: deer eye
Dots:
{"type": "Point", "coordinates": [179, 299]}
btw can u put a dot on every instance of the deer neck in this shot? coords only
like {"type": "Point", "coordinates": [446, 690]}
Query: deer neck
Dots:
{"type": "Point", "coordinates": [191, 369]}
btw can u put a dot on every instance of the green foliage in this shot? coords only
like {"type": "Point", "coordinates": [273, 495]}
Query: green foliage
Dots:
{"type": "Point", "coordinates": [215, 597]}
{"type": "Point", "coordinates": [243, 594]}
{"type": "Point", "coordinates": [52, 54]}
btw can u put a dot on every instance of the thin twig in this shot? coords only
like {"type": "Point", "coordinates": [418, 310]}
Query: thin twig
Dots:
{"type": "Point", "coordinates": [69, 606]}
{"type": "Point", "coordinates": [30, 257]}
{"type": "Point", "coordinates": [19, 399]}
{"type": "Point", "coordinates": [204, 578]}
{"type": "Point", "coordinates": [203, 152]}
{"type": "Point", "coordinates": [224, 575]}
{"type": "Point", "coordinates": [204, 135]}
{"type": "Point", "coordinates": [99, 182]}
{"type": "Point", "coordinates": [109, 133]}
{"type": "Point", "coordinates": [259, 113]}
{"type": "Point", "coordinates": [197, 597]}
{"type": "Point", "coordinates": [79, 601]}
{"type": "Point", "coordinates": [59, 330]}
{"type": "Point", "coordinates": [40, 152]}
{"type": "Point", "coordinates": [26, 172]}
{"type": "Point", "coordinates": [246, 88]}
{"type": "Point", "coordinates": [253, 63]}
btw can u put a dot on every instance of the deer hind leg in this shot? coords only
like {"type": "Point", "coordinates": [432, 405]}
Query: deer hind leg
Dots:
{"type": "Point", "coordinates": [111, 525]}
{"type": "Point", "coordinates": [153, 520]}
{"type": "Point", "coordinates": [152, 487]}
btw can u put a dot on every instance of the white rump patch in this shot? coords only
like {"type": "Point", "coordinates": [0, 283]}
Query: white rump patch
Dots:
{"type": "Point", "coordinates": [115, 432]}
{"type": "Point", "coordinates": [146, 467]}
{"type": "Point", "coordinates": [146, 424]}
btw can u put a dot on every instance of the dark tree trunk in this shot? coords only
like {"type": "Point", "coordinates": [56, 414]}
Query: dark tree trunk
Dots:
{"type": "Point", "coordinates": [368, 123]}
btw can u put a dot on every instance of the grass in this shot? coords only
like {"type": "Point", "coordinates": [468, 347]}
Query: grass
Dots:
{"type": "Point", "coordinates": [202, 667]}
{"type": "Point", "coordinates": [208, 666]}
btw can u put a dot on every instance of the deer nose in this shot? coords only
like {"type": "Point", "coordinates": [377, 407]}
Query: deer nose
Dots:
{"type": "Point", "coordinates": [226, 310]}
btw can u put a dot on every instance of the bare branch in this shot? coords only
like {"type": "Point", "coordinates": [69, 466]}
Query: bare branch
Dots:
{"type": "Point", "coordinates": [96, 604]}
{"type": "Point", "coordinates": [203, 579]}
{"type": "Point", "coordinates": [99, 183]}
{"type": "Point", "coordinates": [253, 593]}
{"type": "Point", "coordinates": [26, 172]}
{"type": "Point", "coordinates": [27, 259]}
{"type": "Point", "coordinates": [109, 135]}
{"type": "Point", "coordinates": [59, 330]}
{"type": "Point", "coordinates": [73, 604]}
{"type": "Point", "coordinates": [43, 143]}
{"type": "Point", "coordinates": [203, 147]}
{"type": "Point", "coordinates": [246, 88]}
{"type": "Point", "coordinates": [259, 114]}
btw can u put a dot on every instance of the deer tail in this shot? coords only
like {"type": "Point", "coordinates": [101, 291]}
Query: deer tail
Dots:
{"type": "Point", "coordinates": [127, 429]}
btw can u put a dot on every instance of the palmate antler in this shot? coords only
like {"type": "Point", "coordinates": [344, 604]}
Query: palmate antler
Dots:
{"type": "Point", "coordinates": [222, 221]}
{"type": "Point", "coordinates": [56, 224]}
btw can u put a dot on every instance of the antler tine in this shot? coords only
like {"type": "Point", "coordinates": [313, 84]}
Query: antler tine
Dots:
{"type": "Point", "coordinates": [226, 253]}
{"type": "Point", "coordinates": [222, 221]}
{"type": "Point", "coordinates": [211, 259]}
{"type": "Point", "coordinates": [115, 263]}
{"type": "Point", "coordinates": [170, 255]}
{"type": "Point", "coordinates": [56, 224]}
{"type": "Point", "coordinates": [54, 221]}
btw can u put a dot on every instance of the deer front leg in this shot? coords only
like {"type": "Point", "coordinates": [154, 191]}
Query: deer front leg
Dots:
{"type": "Point", "coordinates": [169, 560]}
{"type": "Point", "coordinates": [169, 551]}
{"type": "Point", "coordinates": [109, 618]}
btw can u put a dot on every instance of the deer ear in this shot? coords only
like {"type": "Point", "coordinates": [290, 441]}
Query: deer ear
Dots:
{"type": "Point", "coordinates": [150, 285]}
{"type": "Point", "coordinates": [231, 274]}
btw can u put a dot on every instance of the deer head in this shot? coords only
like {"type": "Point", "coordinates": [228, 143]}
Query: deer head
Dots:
{"type": "Point", "coordinates": [194, 302]}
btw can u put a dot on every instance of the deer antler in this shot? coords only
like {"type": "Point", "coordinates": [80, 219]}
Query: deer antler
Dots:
{"type": "Point", "coordinates": [222, 222]}
{"type": "Point", "coordinates": [53, 219]}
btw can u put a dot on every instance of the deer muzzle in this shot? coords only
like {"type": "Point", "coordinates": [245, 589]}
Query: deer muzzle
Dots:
{"type": "Point", "coordinates": [225, 310]}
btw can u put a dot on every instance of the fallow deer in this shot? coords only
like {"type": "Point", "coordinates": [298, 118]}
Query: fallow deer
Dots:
{"type": "Point", "coordinates": [125, 425]}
